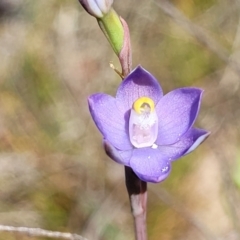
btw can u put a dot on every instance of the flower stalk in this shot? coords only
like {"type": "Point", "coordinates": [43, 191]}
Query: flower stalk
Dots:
{"type": "Point", "coordinates": [137, 191]}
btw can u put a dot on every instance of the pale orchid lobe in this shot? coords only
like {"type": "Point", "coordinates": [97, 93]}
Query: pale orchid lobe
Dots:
{"type": "Point", "coordinates": [96, 8]}
{"type": "Point", "coordinates": [145, 130]}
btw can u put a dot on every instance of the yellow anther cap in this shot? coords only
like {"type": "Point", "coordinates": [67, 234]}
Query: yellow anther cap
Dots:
{"type": "Point", "coordinates": [143, 105]}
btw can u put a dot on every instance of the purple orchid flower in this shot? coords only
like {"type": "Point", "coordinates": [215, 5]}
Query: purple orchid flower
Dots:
{"type": "Point", "coordinates": [145, 130]}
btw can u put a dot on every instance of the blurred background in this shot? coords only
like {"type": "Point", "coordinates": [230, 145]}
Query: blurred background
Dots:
{"type": "Point", "coordinates": [54, 173]}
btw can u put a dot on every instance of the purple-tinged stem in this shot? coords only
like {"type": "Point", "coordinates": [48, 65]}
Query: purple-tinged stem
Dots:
{"type": "Point", "coordinates": [137, 191]}
{"type": "Point", "coordinates": [125, 56]}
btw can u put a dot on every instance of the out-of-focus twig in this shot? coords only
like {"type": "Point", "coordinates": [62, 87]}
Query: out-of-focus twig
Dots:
{"type": "Point", "coordinates": [197, 32]}
{"type": "Point", "coordinates": [38, 232]}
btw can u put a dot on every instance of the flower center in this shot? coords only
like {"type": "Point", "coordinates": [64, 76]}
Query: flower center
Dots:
{"type": "Point", "coordinates": [143, 123]}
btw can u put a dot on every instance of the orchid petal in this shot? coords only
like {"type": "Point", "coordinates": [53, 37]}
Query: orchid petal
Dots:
{"type": "Point", "coordinates": [91, 7]}
{"type": "Point", "coordinates": [109, 120]}
{"type": "Point", "coordinates": [122, 157]}
{"type": "Point", "coordinates": [177, 112]}
{"type": "Point", "coordinates": [139, 83]}
{"type": "Point", "coordinates": [188, 142]}
{"type": "Point", "coordinates": [197, 136]}
{"type": "Point", "coordinates": [150, 165]}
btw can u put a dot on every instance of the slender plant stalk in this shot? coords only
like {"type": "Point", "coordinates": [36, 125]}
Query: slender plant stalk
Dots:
{"type": "Point", "coordinates": [117, 32]}
{"type": "Point", "coordinates": [137, 191]}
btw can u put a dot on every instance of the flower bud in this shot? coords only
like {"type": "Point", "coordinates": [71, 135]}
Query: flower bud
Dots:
{"type": "Point", "coordinates": [96, 8]}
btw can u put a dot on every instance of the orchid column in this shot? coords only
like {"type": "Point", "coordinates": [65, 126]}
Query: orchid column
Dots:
{"type": "Point", "coordinates": [116, 31]}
